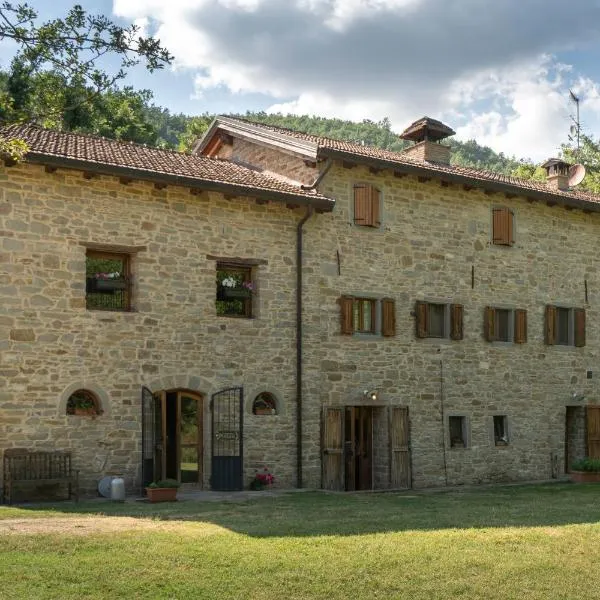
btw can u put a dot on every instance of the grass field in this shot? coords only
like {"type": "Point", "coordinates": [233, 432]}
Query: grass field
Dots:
{"type": "Point", "coordinates": [510, 542]}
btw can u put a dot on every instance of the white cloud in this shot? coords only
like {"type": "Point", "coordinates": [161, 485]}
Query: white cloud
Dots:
{"type": "Point", "coordinates": [482, 66]}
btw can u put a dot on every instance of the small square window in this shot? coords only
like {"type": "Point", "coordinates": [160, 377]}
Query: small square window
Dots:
{"type": "Point", "coordinates": [503, 331]}
{"type": "Point", "coordinates": [563, 326]}
{"type": "Point", "coordinates": [458, 432]}
{"type": "Point", "coordinates": [436, 320]}
{"type": "Point", "coordinates": [500, 430]}
{"type": "Point", "coordinates": [363, 315]}
{"type": "Point", "coordinates": [234, 291]}
{"type": "Point", "coordinates": [108, 281]}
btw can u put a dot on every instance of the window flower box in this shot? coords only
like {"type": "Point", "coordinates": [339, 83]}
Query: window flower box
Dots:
{"type": "Point", "coordinates": [235, 294]}
{"type": "Point", "coordinates": [110, 284]}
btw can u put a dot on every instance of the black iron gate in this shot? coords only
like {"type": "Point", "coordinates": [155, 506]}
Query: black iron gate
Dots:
{"type": "Point", "coordinates": [227, 433]}
{"type": "Point", "coordinates": [148, 437]}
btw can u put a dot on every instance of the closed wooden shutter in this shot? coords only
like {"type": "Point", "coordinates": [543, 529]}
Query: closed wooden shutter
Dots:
{"type": "Point", "coordinates": [579, 314]}
{"type": "Point", "coordinates": [388, 317]}
{"type": "Point", "coordinates": [456, 321]}
{"type": "Point", "coordinates": [399, 448]}
{"type": "Point", "coordinates": [362, 204]}
{"type": "Point", "coordinates": [489, 323]}
{"type": "Point", "coordinates": [333, 449]}
{"type": "Point", "coordinates": [346, 303]}
{"type": "Point", "coordinates": [520, 326]}
{"type": "Point", "coordinates": [550, 325]}
{"type": "Point", "coordinates": [421, 319]}
{"type": "Point", "coordinates": [593, 431]}
{"type": "Point", "coordinates": [502, 226]}
{"type": "Point", "coordinates": [375, 207]}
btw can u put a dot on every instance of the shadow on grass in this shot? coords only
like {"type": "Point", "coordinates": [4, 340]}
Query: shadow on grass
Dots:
{"type": "Point", "coordinates": [317, 513]}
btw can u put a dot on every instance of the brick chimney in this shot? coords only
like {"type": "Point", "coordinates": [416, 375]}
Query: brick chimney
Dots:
{"type": "Point", "coordinates": [557, 174]}
{"type": "Point", "coordinates": [426, 134]}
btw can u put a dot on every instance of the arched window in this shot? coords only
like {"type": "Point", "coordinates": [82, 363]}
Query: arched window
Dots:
{"type": "Point", "coordinates": [264, 404]}
{"type": "Point", "coordinates": [83, 402]}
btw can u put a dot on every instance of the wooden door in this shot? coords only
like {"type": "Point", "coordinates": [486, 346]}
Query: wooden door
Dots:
{"type": "Point", "coordinates": [364, 447]}
{"type": "Point", "coordinates": [593, 431]}
{"type": "Point", "coordinates": [399, 448]}
{"type": "Point", "coordinates": [332, 445]}
{"type": "Point", "coordinates": [350, 449]}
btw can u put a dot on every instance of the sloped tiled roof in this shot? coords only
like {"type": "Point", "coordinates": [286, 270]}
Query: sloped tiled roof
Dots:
{"type": "Point", "coordinates": [385, 158]}
{"type": "Point", "coordinates": [144, 162]}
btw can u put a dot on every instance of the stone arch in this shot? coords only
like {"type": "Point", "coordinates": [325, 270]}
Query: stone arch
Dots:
{"type": "Point", "coordinates": [200, 385]}
{"type": "Point", "coordinates": [251, 394]}
{"type": "Point", "coordinates": [85, 385]}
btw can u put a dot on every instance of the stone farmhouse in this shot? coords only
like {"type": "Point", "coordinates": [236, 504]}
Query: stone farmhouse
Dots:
{"type": "Point", "coordinates": [348, 317]}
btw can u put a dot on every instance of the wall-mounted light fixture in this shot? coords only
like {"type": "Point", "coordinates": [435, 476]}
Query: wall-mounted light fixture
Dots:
{"type": "Point", "coordinates": [372, 395]}
{"type": "Point", "coordinates": [577, 396]}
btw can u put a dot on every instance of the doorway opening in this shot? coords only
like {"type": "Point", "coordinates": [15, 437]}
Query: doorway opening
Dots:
{"type": "Point", "coordinates": [358, 448]}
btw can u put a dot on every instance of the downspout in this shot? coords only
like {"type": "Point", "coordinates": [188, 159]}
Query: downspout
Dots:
{"type": "Point", "coordinates": [299, 331]}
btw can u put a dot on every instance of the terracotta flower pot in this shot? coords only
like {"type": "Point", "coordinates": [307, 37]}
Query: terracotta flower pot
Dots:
{"type": "Point", "coordinates": [83, 412]}
{"type": "Point", "coordinates": [161, 494]}
{"type": "Point", "coordinates": [585, 476]}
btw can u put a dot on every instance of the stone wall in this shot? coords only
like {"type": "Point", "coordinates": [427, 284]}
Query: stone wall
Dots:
{"type": "Point", "coordinates": [50, 344]}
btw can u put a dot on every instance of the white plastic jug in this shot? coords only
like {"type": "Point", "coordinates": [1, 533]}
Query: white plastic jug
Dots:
{"type": "Point", "coordinates": [117, 489]}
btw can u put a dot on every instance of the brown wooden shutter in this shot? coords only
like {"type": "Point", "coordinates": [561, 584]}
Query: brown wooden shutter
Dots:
{"type": "Point", "coordinates": [489, 323]}
{"type": "Point", "coordinates": [520, 326]}
{"type": "Point", "coordinates": [346, 305]}
{"type": "Point", "coordinates": [399, 448]}
{"type": "Point", "coordinates": [388, 317]}
{"type": "Point", "coordinates": [550, 325]}
{"type": "Point", "coordinates": [375, 207]}
{"type": "Point", "coordinates": [421, 319]}
{"type": "Point", "coordinates": [593, 431]}
{"type": "Point", "coordinates": [332, 446]}
{"type": "Point", "coordinates": [362, 201]}
{"type": "Point", "coordinates": [510, 223]}
{"type": "Point", "coordinates": [579, 314]}
{"type": "Point", "coordinates": [502, 226]}
{"type": "Point", "coordinates": [456, 321]}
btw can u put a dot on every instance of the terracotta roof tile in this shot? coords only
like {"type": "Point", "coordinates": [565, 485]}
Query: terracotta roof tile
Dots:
{"type": "Point", "coordinates": [144, 160]}
{"type": "Point", "coordinates": [398, 159]}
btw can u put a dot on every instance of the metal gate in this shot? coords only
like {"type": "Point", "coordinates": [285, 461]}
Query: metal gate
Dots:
{"type": "Point", "coordinates": [148, 437]}
{"type": "Point", "coordinates": [227, 433]}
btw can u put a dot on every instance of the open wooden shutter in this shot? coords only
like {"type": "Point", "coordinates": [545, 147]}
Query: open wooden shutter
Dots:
{"type": "Point", "coordinates": [489, 323]}
{"type": "Point", "coordinates": [502, 226]}
{"type": "Point", "coordinates": [333, 449]}
{"type": "Point", "coordinates": [375, 207]}
{"type": "Point", "coordinates": [346, 304]}
{"type": "Point", "coordinates": [399, 448]}
{"type": "Point", "coordinates": [579, 314]}
{"type": "Point", "coordinates": [456, 321]}
{"type": "Point", "coordinates": [510, 224]}
{"type": "Point", "coordinates": [593, 431]}
{"type": "Point", "coordinates": [550, 325]}
{"type": "Point", "coordinates": [362, 204]}
{"type": "Point", "coordinates": [388, 317]}
{"type": "Point", "coordinates": [421, 319]}
{"type": "Point", "coordinates": [520, 336]}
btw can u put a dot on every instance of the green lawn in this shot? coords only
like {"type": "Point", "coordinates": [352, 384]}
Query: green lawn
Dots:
{"type": "Point", "coordinates": [511, 542]}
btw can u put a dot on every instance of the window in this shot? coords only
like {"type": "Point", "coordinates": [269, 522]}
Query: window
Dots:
{"type": "Point", "coordinates": [83, 402]}
{"type": "Point", "coordinates": [438, 320]}
{"type": "Point", "coordinates": [503, 226]}
{"type": "Point", "coordinates": [458, 432]}
{"type": "Point", "coordinates": [367, 315]}
{"type": "Point", "coordinates": [367, 205]}
{"type": "Point", "coordinates": [108, 281]}
{"type": "Point", "coordinates": [505, 325]}
{"type": "Point", "coordinates": [565, 326]}
{"type": "Point", "coordinates": [234, 291]}
{"type": "Point", "coordinates": [500, 430]}
{"type": "Point", "coordinates": [264, 404]}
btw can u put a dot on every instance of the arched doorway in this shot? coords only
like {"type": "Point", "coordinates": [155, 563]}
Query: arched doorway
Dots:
{"type": "Point", "coordinates": [173, 444]}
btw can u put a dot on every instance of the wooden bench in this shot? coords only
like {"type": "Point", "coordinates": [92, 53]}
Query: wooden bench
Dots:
{"type": "Point", "coordinates": [24, 468]}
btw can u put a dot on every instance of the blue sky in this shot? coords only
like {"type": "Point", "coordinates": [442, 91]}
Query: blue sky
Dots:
{"type": "Point", "coordinates": [498, 72]}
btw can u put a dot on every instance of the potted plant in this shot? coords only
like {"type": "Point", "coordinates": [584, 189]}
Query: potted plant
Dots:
{"type": "Point", "coordinates": [262, 480]}
{"type": "Point", "coordinates": [110, 281]}
{"type": "Point", "coordinates": [586, 470]}
{"type": "Point", "coordinates": [84, 406]}
{"type": "Point", "coordinates": [232, 288]}
{"type": "Point", "coordinates": [164, 490]}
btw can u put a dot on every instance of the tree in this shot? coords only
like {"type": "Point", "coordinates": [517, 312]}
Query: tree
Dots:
{"type": "Point", "coordinates": [589, 156]}
{"type": "Point", "coordinates": [69, 49]}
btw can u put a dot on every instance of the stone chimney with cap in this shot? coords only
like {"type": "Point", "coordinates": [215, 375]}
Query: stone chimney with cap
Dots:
{"type": "Point", "coordinates": [426, 134]}
{"type": "Point", "coordinates": [557, 174]}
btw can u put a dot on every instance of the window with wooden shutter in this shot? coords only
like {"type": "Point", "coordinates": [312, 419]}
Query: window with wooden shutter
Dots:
{"type": "Point", "coordinates": [364, 315]}
{"type": "Point", "coordinates": [565, 326]}
{"type": "Point", "coordinates": [550, 325]}
{"type": "Point", "coordinates": [421, 319]}
{"type": "Point", "coordinates": [456, 321]}
{"type": "Point", "coordinates": [520, 326]}
{"type": "Point", "coordinates": [346, 305]}
{"type": "Point", "coordinates": [388, 317]}
{"type": "Point", "coordinates": [367, 205]}
{"type": "Point", "coordinates": [489, 324]}
{"type": "Point", "coordinates": [503, 226]}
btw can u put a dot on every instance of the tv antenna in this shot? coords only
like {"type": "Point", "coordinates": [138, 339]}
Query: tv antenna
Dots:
{"type": "Point", "coordinates": [575, 128]}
